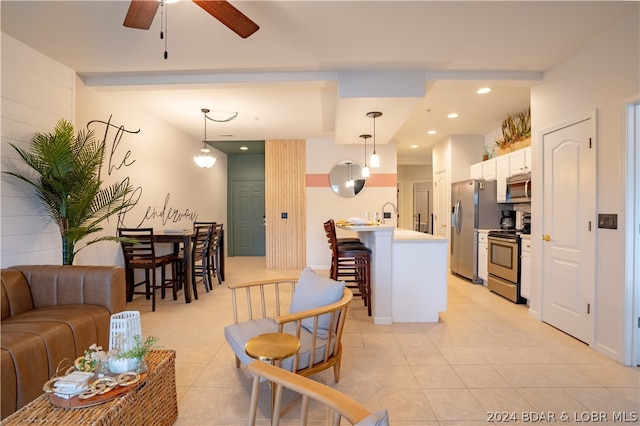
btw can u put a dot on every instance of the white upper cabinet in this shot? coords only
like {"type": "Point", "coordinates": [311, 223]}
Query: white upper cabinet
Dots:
{"type": "Point", "coordinates": [489, 169]}
{"type": "Point", "coordinates": [501, 167]}
{"type": "Point", "coordinates": [520, 161]}
{"type": "Point", "coordinates": [484, 170]}
{"type": "Point", "coordinates": [476, 171]}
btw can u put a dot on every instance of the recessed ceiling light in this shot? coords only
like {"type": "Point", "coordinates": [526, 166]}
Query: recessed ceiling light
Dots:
{"type": "Point", "coordinates": [483, 90]}
{"type": "Point", "coordinates": [414, 146]}
{"type": "Point", "coordinates": [431, 132]}
{"type": "Point", "coordinates": [453, 115]}
{"type": "Point", "coordinates": [243, 148]}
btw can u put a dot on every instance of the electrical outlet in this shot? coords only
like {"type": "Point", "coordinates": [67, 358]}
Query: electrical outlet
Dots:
{"type": "Point", "coordinates": [387, 215]}
{"type": "Point", "coordinates": [608, 221]}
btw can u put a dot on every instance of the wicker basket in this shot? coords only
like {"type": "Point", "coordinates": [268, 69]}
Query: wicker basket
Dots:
{"type": "Point", "coordinates": [153, 403]}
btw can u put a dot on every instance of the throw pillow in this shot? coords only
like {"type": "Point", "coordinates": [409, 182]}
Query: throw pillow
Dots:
{"type": "Point", "coordinates": [379, 418]}
{"type": "Point", "coordinates": [314, 291]}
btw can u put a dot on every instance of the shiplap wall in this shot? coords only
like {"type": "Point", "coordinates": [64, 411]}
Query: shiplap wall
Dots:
{"type": "Point", "coordinates": [36, 93]}
{"type": "Point", "coordinates": [285, 165]}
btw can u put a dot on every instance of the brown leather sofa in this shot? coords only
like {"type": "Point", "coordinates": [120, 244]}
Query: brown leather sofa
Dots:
{"type": "Point", "coordinates": [49, 313]}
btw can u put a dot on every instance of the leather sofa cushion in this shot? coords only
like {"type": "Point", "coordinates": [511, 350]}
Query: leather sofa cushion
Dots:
{"type": "Point", "coordinates": [16, 294]}
{"type": "Point", "coordinates": [34, 343]}
{"type": "Point", "coordinates": [23, 349]}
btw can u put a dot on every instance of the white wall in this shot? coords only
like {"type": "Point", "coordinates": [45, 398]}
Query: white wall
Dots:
{"type": "Point", "coordinates": [171, 191]}
{"type": "Point", "coordinates": [323, 204]}
{"type": "Point", "coordinates": [36, 93]}
{"type": "Point", "coordinates": [599, 78]}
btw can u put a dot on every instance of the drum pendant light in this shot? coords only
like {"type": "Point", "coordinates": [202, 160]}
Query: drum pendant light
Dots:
{"type": "Point", "coordinates": [365, 169]}
{"type": "Point", "coordinates": [374, 160]}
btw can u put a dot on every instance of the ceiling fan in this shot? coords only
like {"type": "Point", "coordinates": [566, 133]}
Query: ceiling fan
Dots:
{"type": "Point", "coordinates": [141, 13]}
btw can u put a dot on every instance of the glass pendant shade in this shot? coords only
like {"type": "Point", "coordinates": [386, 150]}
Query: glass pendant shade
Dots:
{"type": "Point", "coordinates": [365, 172]}
{"type": "Point", "coordinates": [204, 159]}
{"type": "Point", "coordinates": [374, 160]}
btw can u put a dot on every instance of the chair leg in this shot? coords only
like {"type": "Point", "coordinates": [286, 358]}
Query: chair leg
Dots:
{"type": "Point", "coordinates": [153, 290]}
{"type": "Point", "coordinates": [163, 280]}
{"type": "Point", "coordinates": [216, 266]}
{"type": "Point", "coordinates": [147, 284]}
{"type": "Point", "coordinates": [193, 282]}
{"type": "Point", "coordinates": [174, 280]}
{"type": "Point", "coordinates": [336, 370]}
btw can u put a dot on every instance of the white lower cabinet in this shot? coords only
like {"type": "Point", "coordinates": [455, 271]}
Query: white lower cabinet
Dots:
{"type": "Point", "coordinates": [525, 268]}
{"type": "Point", "coordinates": [482, 255]}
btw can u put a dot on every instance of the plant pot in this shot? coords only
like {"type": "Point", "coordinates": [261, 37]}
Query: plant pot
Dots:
{"type": "Point", "coordinates": [123, 365]}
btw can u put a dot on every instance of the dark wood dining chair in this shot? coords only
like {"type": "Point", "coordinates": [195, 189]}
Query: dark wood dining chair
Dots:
{"type": "Point", "coordinates": [211, 259]}
{"type": "Point", "coordinates": [138, 249]}
{"type": "Point", "coordinates": [215, 252]}
{"type": "Point", "coordinates": [201, 256]}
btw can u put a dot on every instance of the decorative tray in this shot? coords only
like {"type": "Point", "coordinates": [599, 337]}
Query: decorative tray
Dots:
{"type": "Point", "coordinates": [99, 393]}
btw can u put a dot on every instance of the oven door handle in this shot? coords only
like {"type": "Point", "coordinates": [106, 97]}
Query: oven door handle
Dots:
{"type": "Point", "coordinates": [504, 240]}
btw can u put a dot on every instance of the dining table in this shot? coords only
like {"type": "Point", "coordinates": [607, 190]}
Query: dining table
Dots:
{"type": "Point", "coordinates": [185, 238]}
{"type": "Point", "coordinates": [178, 237]}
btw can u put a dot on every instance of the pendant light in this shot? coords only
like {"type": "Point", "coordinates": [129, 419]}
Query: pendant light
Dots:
{"type": "Point", "coordinates": [374, 160]}
{"type": "Point", "coordinates": [365, 169]}
{"type": "Point", "coordinates": [349, 183]}
{"type": "Point", "coordinates": [204, 158]}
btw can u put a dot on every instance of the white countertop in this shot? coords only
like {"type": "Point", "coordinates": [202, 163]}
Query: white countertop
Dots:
{"type": "Point", "coordinates": [525, 236]}
{"type": "Point", "coordinates": [366, 228]}
{"type": "Point", "coordinates": [407, 235]}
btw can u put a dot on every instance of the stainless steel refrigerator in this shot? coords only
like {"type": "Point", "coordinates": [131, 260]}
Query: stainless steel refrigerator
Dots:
{"type": "Point", "coordinates": [473, 207]}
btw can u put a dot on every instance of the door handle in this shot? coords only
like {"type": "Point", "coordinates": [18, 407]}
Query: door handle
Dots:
{"type": "Point", "coordinates": [546, 237]}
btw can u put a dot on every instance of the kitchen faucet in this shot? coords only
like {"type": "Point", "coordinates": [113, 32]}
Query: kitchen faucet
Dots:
{"type": "Point", "coordinates": [388, 203]}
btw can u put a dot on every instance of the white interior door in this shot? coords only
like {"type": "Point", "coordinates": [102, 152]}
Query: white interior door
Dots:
{"type": "Point", "coordinates": [569, 221]}
{"type": "Point", "coordinates": [442, 217]}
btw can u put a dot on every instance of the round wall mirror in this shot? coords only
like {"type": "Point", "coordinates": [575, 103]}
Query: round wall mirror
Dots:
{"type": "Point", "coordinates": [346, 178]}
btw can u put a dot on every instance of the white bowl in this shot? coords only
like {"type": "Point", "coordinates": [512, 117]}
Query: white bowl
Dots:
{"type": "Point", "coordinates": [357, 220]}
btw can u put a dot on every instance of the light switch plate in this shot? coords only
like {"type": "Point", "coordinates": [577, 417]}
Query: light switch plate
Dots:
{"type": "Point", "coordinates": [608, 221]}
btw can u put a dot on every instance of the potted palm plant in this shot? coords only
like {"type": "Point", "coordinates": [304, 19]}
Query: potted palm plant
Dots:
{"type": "Point", "coordinates": [67, 182]}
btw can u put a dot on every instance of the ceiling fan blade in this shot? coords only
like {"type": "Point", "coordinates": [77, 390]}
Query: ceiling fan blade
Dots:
{"type": "Point", "coordinates": [141, 13]}
{"type": "Point", "coordinates": [224, 12]}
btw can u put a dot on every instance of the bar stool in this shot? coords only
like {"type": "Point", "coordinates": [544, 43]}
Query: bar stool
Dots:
{"type": "Point", "coordinates": [351, 263]}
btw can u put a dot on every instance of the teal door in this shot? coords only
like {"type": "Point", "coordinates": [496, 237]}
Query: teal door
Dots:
{"type": "Point", "coordinates": [248, 218]}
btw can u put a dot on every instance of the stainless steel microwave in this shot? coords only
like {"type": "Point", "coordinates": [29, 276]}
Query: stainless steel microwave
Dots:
{"type": "Point", "coordinates": [519, 188]}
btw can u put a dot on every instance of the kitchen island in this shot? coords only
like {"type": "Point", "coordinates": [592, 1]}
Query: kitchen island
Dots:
{"type": "Point", "coordinates": [408, 273]}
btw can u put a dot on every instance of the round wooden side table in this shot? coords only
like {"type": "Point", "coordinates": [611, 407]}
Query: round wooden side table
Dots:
{"type": "Point", "coordinates": [272, 347]}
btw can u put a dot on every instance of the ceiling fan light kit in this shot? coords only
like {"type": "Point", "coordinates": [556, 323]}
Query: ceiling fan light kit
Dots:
{"type": "Point", "coordinates": [375, 159]}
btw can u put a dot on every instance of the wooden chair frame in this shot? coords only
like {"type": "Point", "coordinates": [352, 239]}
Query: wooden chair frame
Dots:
{"type": "Point", "coordinates": [342, 405]}
{"type": "Point", "coordinates": [266, 299]}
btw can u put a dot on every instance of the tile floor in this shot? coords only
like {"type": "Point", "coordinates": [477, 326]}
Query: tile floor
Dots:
{"type": "Point", "coordinates": [486, 356]}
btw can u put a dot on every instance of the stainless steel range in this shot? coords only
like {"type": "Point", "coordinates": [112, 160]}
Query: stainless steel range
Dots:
{"type": "Point", "coordinates": [504, 264]}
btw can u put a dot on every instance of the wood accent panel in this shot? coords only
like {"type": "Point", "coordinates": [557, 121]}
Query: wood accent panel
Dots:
{"type": "Point", "coordinates": [285, 166]}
